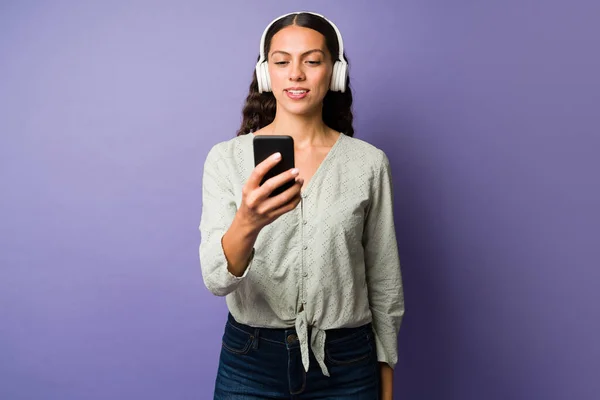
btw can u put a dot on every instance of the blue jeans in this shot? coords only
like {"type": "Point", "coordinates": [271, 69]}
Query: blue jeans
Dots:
{"type": "Point", "coordinates": [267, 364]}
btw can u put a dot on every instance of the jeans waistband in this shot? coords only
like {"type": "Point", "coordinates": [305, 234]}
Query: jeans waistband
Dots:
{"type": "Point", "coordinates": [281, 334]}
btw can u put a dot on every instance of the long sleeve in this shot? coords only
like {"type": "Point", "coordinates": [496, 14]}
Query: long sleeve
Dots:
{"type": "Point", "coordinates": [218, 210]}
{"type": "Point", "coordinates": [384, 281]}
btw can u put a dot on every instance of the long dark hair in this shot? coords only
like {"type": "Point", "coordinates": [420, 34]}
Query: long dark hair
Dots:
{"type": "Point", "coordinates": [259, 109]}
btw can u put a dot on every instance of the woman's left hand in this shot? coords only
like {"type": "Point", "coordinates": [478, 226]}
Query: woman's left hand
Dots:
{"type": "Point", "coordinates": [387, 382]}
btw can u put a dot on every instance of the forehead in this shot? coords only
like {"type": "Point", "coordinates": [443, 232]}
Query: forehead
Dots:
{"type": "Point", "coordinates": [297, 39]}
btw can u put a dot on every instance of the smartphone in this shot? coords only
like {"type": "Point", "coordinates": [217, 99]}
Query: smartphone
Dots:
{"type": "Point", "coordinates": [267, 145]}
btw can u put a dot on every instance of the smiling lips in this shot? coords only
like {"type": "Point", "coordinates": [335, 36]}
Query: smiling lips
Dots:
{"type": "Point", "coordinates": [296, 93]}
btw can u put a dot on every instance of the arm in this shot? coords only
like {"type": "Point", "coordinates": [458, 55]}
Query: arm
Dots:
{"type": "Point", "coordinates": [384, 281]}
{"type": "Point", "coordinates": [387, 381]}
{"type": "Point", "coordinates": [218, 213]}
{"type": "Point", "coordinates": [238, 246]}
{"type": "Point", "coordinates": [228, 234]}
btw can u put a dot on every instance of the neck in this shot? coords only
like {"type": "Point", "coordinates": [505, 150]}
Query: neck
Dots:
{"type": "Point", "coordinates": [306, 130]}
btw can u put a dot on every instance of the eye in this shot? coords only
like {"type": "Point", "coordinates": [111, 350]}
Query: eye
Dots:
{"type": "Point", "coordinates": [314, 62]}
{"type": "Point", "coordinates": [280, 62]}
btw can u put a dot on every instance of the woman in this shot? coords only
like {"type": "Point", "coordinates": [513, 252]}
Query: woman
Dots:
{"type": "Point", "coordinates": [311, 276]}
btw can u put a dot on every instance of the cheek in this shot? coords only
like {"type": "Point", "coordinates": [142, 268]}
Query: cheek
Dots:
{"type": "Point", "coordinates": [324, 78]}
{"type": "Point", "coordinates": [277, 77]}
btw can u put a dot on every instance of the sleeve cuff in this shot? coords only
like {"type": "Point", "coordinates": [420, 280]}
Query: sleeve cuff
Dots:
{"type": "Point", "coordinates": [236, 279]}
{"type": "Point", "coordinates": [384, 355]}
{"type": "Point", "coordinates": [217, 278]}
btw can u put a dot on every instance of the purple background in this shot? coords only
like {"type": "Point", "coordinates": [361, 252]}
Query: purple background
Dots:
{"type": "Point", "coordinates": [489, 112]}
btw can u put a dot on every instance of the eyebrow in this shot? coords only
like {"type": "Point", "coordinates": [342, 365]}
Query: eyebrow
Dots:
{"type": "Point", "coordinates": [303, 54]}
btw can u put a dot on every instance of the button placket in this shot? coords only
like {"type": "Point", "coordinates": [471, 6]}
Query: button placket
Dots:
{"type": "Point", "coordinates": [303, 272]}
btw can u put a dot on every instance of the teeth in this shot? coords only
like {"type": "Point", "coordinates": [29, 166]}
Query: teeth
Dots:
{"type": "Point", "coordinates": [297, 91]}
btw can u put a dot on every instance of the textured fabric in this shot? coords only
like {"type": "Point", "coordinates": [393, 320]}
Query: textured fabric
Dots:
{"type": "Point", "coordinates": [332, 262]}
{"type": "Point", "coordinates": [259, 363]}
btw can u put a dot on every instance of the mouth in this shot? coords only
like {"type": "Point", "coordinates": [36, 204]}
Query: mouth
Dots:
{"type": "Point", "coordinates": [296, 93]}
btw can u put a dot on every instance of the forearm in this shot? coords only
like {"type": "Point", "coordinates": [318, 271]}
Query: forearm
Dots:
{"type": "Point", "coordinates": [238, 243]}
{"type": "Point", "coordinates": [387, 381]}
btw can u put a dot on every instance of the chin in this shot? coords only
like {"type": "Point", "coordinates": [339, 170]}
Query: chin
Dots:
{"type": "Point", "coordinates": [305, 112]}
{"type": "Point", "coordinates": [300, 109]}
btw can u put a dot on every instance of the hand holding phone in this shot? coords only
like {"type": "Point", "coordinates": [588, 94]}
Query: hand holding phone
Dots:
{"type": "Point", "coordinates": [273, 188]}
{"type": "Point", "coordinates": [267, 145]}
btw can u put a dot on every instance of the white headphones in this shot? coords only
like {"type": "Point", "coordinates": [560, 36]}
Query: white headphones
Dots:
{"type": "Point", "coordinates": [340, 67]}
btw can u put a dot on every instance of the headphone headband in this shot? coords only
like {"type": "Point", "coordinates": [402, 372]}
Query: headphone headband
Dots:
{"type": "Point", "coordinates": [337, 32]}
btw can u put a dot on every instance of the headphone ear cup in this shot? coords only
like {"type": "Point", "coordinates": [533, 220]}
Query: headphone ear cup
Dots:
{"type": "Point", "coordinates": [265, 77]}
{"type": "Point", "coordinates": [258, 78]}
{"type": "Point", "coordinates": [343, 76]}
{"type": "Point", "coordinates": [339, 76]}
{"type": "Point", "coordinates": [262, 77]}
{"type": "Point", "coordinates": [334, 77]}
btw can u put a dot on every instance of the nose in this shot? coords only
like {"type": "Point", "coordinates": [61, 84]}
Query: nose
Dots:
{"type": "Point", "coordinates": [296, 72]}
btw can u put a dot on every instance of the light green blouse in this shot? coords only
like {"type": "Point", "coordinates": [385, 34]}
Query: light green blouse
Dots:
{"type": "Point", "coordinates": [332, 262]}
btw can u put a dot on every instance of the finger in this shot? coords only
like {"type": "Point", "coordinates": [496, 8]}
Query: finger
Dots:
{"type": "Point", "coordinates": [276, 181]}
{"type": "Point", "coordinates": [287, 207]}
{"type": "Point", "coordinates": [259, 201]}
{"type": "Point", "coordinates": [261, 169]}
{"type": "Point", "coordinates": [283, 198]}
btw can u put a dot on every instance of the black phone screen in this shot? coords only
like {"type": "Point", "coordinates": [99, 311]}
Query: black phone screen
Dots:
{"type": "Point", "coordinates": [267, 145]}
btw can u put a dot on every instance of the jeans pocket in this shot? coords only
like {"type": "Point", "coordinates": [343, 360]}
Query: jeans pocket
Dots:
{"type": "Point", "coordinates": [236, 340]}
{"type": "Point", "coordinates": [350, 350]}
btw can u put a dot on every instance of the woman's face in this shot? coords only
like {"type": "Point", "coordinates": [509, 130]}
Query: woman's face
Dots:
{"type": "Point", "coordinates": [300, 69]}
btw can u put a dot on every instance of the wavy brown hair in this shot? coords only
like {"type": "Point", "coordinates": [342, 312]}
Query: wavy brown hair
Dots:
{"type": "Point", "coordinates": [259, 109]}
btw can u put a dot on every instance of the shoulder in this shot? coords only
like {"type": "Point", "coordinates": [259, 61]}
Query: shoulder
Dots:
{"type": "Point", "coordinates": [228, 156]}
{"type": "Point", "coordinates": [228, 150]}
{"type": "Point", "coordinates": [368, 155]}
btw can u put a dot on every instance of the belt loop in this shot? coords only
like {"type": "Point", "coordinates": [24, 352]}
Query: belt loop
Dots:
{"type": "Point", "coordinates": [256, 337]}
